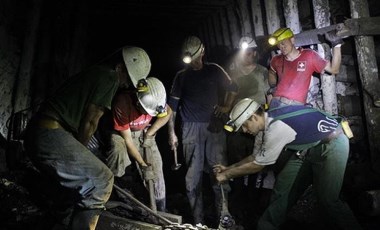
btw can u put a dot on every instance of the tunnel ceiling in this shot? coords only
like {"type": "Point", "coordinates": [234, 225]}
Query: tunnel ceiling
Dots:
{"type": "Point", "coordinates": [164, 16]}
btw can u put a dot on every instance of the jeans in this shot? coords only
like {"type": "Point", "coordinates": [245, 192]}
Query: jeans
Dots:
{"type": "Point", "coordinates": [324, 166]}
{"type": "Point", "coordinates": [118, 160]}
{"type": "Point", "coordinates": [56, 153]}
{"type": "Point", "coordinates": [202, 149]}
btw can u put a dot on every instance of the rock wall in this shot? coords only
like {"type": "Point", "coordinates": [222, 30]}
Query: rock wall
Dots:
{"type": "Point", "coordinates": [9, 62]}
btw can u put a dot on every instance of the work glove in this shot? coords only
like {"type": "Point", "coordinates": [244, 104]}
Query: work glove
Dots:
{"type": "Point", "coordinates": [148, 141]}
{"type": "Point", "coordinates": [333, 38]}
{"type": "Point", "coordinates": [148, 173]}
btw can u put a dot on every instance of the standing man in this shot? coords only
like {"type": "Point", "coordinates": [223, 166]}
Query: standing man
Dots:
{"type": "Point", "coordinates": [196, 91]}
{"type": "Point", "coordinates": [291, 71]}
{"type": "Point", "coordinates": [252, 81]}
{"type": "Point", "coordinates": [132, 134]}
{"type": "Point", "coordinates": [59, 132]}
{"type": "Point", "coordinates": [320, 156]}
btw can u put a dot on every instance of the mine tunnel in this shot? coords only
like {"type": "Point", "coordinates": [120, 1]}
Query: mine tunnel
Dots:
{"type": "Point", "coordinates": [44, 43]}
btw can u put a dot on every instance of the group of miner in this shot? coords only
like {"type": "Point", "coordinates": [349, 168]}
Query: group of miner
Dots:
{"type": "Point", "coordinates": [244, 125]}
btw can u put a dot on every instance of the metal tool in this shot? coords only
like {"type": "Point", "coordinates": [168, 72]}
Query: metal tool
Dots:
{"type": "Point", "coordinates": [149, 179]}
{"type": "Point", "coordinates": [149, 176]}
{"type": "Point", "coordinates": [146, 208]}
{"type": "Point", "coordinates": [226, 220]}
{"type": "Point", "coordinates": [175, 166]}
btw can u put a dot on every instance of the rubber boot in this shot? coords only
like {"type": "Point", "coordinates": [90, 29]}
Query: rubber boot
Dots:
{"type": "Point", "coordinates": [161, 205]}
{"type": "Point", "coordinates": [85, 219]}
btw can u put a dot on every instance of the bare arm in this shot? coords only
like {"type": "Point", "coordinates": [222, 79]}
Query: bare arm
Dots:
{"type": "Point", "coordinates": [131, 147]}
{"type": "Point", "coordinates": [229, 101]}
{"type": "Point", "coordinates": [89, 123]}
{"type": "Point", "coordinates": [334, 65]}
{"type": "Point", "coordinates": [173, 139]}
{"type": "Point", "coordinates": [272, 78]}
{"type": "Point", "coordinates": [160, 121]}
{"type": "Point", "coordinates": [242, 168]}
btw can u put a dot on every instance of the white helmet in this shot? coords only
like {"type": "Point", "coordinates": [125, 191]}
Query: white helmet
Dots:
{"type": "Point", "coordinates": [137, 62]}
{"type": "Point", "coordinates": [192, 47]}
{"type": "Point", "coordinates": [247, 42]}
{"type": "Point", "coordinates": [241, 112]}
{"type": "Point", "coordinates": [153, 100]}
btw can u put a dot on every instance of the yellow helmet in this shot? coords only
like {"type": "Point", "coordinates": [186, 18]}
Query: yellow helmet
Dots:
{"type": "Point", "coordinates": [280, 35]}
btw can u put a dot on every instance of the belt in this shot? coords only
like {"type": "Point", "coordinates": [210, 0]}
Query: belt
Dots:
{"type": "Point", "coordinates": [332, 135]}
{"type": "Point", "coordinates": [288, 101]}
{"type": "Point", "coordinates": [48, 123]}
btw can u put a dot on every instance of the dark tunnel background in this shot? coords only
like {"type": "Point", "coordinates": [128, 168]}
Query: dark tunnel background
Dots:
{"type": "Point", "coordinates": [71, 35]}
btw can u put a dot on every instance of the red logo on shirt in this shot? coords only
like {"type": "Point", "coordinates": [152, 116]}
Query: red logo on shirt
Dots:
{"type": "Point", "coordinates": [301, 66]}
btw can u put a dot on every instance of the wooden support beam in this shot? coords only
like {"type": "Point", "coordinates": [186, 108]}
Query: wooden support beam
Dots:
{"type": "Point", "coordinates": [369, 77]}
{"type": "Point", "coordinates": [291, 15]}
{"type": "Point", "coordinates": [257, 18]}
{"type": "Point", "coordinates": [361, 26]}
{"type": "Point", "coordinates": [273, 18]}
{"type": "Point", "coordinates": [328, 84]}
{"type": "Point", "coordinates": [245, 19]}
{"type": "Point", "coordinates": [225, 30]}
{"type": "Point", "coordinates": [233, 25]}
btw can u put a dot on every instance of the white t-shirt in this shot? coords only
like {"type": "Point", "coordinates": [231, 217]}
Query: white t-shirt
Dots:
{"type": "Point", "coordinates": [270, 142]}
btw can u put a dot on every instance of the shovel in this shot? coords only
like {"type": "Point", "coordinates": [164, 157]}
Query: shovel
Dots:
{"type": "Point", "coordinates": [175, 166]}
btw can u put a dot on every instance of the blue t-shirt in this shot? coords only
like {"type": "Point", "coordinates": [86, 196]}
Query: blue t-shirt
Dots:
{"type": "Point", "coordinates": [311, 125]}
{"type": "Point", "coordinates": [196, 92]}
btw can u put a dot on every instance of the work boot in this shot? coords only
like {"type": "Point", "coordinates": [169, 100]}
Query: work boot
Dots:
{"type": "Point", "coordinates": [85, 219]}
{"type": "Point", "coordinates": [161, 205]}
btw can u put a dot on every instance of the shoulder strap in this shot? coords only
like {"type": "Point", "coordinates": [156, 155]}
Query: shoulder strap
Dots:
{"type": "Point", "coordinates": [293, 114]}
{"type": "Point", "coordinates": [299, 112]}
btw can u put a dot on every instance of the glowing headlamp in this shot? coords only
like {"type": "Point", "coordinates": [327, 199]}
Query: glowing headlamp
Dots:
{"type": "Point", "coordinates": [244, 45]}
{"type": "Point", "coordinates": [187, 58]}
{"type": "Point", "coordinates": [272, 41]}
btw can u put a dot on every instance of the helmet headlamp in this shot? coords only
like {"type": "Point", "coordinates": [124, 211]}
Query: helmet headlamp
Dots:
{"type": "Point", "coordinates": [142, 85]}
{"type": "Point", "coordinates": [280, 35]}
{"type": "Point", "coordinates": [161, 111]}
{"type": "Point", "coordinates": [187, 58]}
{"type": "Point", "coordinates": [244, 45]}
{"type": "Point", "coordinates": [229, 126]}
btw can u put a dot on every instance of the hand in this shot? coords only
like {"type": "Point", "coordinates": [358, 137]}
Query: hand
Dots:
{"type": "Point", "coordinates": [148, 173]}
{"type": "Point", "coordinates": [333, 38]}
{"type": "Point", "coordinates": [221, 177]}
{"type": "Point", "coordinates": [271, 90]}
{"type": "Point", "coordinates": [220, 110]}
{"type": "Point", "coordinates": [218, 168]}
{"type": "Point", "coordinates": [173, 140]}
{"type": "Point", "coordinates": [143, 164]}
{"type": "Point", "coordinates": [149, 141]}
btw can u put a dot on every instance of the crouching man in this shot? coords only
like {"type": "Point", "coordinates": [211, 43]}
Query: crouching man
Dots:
{"type": "Point", "coordinates": [320, 156]}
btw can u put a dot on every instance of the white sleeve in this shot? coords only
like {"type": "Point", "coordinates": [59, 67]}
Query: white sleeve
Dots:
{"type": "Point", "coordinates": [274, 139]}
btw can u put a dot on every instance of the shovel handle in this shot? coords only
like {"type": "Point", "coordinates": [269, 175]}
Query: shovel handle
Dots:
{"type": "Point", "coordinates": [175, 156]}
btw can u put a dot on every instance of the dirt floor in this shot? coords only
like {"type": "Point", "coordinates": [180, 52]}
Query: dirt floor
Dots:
{"type": "Point", "coordinates": [26, 203]}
